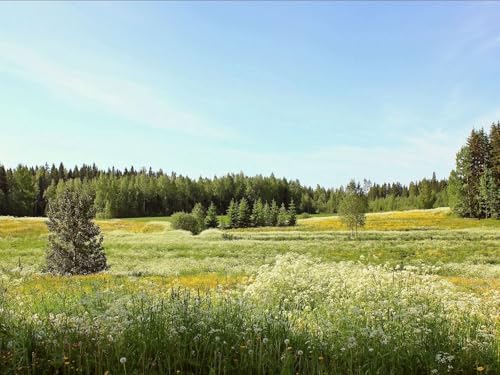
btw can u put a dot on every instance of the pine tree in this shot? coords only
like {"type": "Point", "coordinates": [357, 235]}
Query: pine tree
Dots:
{"type": "Point", "coordinates": [232, 214]}
{"type": "Point", "coordinates": [282, 216]}
{"type": "Point", "coordinates": [243, 214]}
{"type": "Point", "coordinates": [292, 213]}
{"type": "Point", "coordinates": [199, 214]}
{"type": "Point", "coordinates": [211, 220]}
{"type": "Point", "coordinates": [75, 241]}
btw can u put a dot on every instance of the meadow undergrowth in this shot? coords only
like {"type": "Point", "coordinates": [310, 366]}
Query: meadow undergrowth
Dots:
{"type": "Point", "coordinates": [297, 315]}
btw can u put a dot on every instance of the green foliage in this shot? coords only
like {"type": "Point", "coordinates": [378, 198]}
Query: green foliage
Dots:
{"type": "Point", "coordinates": [426, 197]}
{"type": "Point", "coordinates": [211, 220]}
{"type": "Point", "coordinates": [274, 213]}
{"type": "Point", "coordinates": [292, 214]}
{"type": "Point", "coordinates": [474, 185]}
{"type": "Point", "coordinates": [23, 192]}
{"type": "Point", "coordinates": [199, 214]}
{"type": "Point", "coordinates": [185, 221]}
{"type": "Point", "coordinates": [258, 215]}
{"type": "Point", "coordinates": [353, 207]}
{"type": "Point", "coordinates": [283, 216]}
{"type": "Point", "coordinates": [233, 214]}
{"type": "Point", "coordinates": [268, 217]}
{"type": "Point", "coordinates": [132, 193]}
{"type": "Point", "coordinates": [75, 241]}
{"type": "Point", "coordinates": [244, 214]}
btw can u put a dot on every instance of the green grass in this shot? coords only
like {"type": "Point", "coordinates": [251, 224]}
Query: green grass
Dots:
{"type": "Point", "coordinates": [312, 285]}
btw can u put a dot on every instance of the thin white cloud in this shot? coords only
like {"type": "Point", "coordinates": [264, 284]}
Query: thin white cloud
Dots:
{"type": "Point", "coordinates": [124, 98]}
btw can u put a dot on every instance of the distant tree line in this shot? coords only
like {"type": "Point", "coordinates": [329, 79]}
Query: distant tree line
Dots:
{"type": "Point", "coordinates": [25, 191]}
{"type": "Point", "coordinates": [474, 185]}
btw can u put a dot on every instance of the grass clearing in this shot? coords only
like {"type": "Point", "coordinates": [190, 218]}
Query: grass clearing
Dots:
{"type": "Point", "coordinates": [416, 293]}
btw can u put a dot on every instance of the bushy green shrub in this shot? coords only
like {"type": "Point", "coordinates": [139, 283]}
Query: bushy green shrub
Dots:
{"type": "Point", "coordinates": [185, 221]}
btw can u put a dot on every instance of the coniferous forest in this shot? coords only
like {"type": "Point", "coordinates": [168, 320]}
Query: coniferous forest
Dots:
{"type": "Point", "coordinates": [472, 190]}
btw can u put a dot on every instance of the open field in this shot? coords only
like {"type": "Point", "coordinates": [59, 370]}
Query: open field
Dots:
{"type": "Point", "coordinates": [417, 293]}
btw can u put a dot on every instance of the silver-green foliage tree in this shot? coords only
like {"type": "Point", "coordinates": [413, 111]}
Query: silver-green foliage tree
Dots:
{"type": "Point", "coordinates": [353, 207]}
{"type": "Point", "coordinates": [75, 241]}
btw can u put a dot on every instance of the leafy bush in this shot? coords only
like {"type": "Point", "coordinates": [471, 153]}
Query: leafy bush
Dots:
{"type": "Point", "coordinates": [185, 221]}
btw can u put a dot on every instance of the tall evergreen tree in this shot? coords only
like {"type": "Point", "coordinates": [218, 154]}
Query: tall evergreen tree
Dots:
{"type": "Point", "coordinates": [211, 220]}
{"type": "Point", "coordinates": [489, 195]}
{"type": "Point", "coordinates": [268, 216]}
{"type": "Point", "coordinates": [232, 214]}
{"type": "Point", "coordinates": [75, 241]}
{"type": "Point", "coordinates": [258, 218]}
{"type": "Point", "coordinates": [275, 211]}
{"type": "Point", "coordinates": [243, 214]}
{"type": "Point", "coordinates": [479, 152]}
{"type": "Point", "coordinates": [292, 213]}
{"type": "Point", "coordinates": [282, 216]}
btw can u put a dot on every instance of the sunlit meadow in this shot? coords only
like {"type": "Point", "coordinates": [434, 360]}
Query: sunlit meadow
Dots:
{"type": "Point", "coordinates": [417, 293]}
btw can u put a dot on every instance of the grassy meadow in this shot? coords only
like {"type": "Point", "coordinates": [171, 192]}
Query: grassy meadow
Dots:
{"type": "Point", "coordinates": [418, 292]}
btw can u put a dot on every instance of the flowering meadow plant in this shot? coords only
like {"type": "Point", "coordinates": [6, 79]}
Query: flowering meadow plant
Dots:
{"type": "Point", "coordinates": [297, 315]}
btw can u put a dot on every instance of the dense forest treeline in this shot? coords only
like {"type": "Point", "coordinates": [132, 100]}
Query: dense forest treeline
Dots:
{"type": "Point", "coordinates": [25, 191]}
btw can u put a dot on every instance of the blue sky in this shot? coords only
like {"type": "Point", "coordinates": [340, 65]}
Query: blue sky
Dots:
{"type": "Point", "coordinates": [322, 92]}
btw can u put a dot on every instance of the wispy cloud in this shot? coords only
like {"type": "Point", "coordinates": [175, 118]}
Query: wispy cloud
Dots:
{"type": "Point", "coordinates": [125, 98]}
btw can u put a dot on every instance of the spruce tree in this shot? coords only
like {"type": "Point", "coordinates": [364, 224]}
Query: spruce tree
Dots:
{"type": "Point", "coordinates": [232, 214]}
{"type": "Point", "coordinates": [459, 195]}
{"type": "Point", "coordinates": [479, 152]}
{"type": "Point", "coordinates": [211, 220]}
{"type": "Point", "coordinates": [258, 218]}
{"type": "Point", "coordinates": [268, 217]}
{"type": "Point", "coordinates": [495, 165]}
{"type": "Point", "coordinates": [282, 216]}
{"type": "Point", "coordinates": [274, 213]}
{"type": "Point", "coordinates": [489, 195]}
{"type": "Point", "coordinates": [75, 241]}
{"type": "Point", "coordinates": [243, 214]}
{"type": "Point", "coordinates": [292, 213]}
